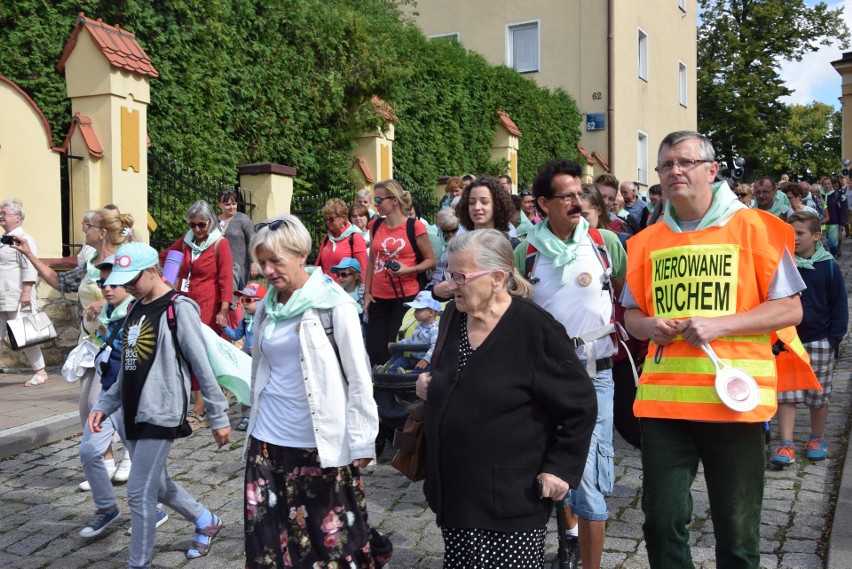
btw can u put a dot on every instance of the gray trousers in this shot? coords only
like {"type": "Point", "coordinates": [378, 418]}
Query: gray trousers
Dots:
{"type": "Point", "coordinates": [92, 449]}
{"type": "Point", "coordinates": [149, 483]}
{"type": "Point", "coordinates": [90, 390]}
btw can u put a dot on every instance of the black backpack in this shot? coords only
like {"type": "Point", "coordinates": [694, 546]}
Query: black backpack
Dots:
{"type": "Point", "coordinates": [422, 279]}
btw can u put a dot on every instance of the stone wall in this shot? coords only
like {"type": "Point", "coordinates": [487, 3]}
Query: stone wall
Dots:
{"type": "Point", "coordinates": [62, 309]}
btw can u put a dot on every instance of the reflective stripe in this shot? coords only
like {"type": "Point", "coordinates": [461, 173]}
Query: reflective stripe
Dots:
{"type": "Point", "coordinates": [698, 365]}
{"type": "Point", "coordinates": [691, 394]}
{"type": "Point", "coordinates": [757, 338]}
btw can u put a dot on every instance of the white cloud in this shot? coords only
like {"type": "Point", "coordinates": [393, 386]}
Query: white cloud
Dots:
{"type": "Point", "coordinates": [813, 78]}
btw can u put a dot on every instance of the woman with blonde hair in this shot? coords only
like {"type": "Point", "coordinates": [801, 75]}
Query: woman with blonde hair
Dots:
{"type": "Point", "coordinates": [495, 402]}
{"type": "Point", "coordinates": [313, 419]}
{"type": "Point", "coordinates": [399, 251]}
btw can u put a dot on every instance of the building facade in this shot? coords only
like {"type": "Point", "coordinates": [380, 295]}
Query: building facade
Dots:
{"type": "Point", "coordinates": [629, 64]}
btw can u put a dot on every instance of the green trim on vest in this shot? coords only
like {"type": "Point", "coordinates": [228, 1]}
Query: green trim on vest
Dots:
{"type": "Point", "coordinates": [691, 394]}
{"type": "Point", "coordinates": [703, 366]}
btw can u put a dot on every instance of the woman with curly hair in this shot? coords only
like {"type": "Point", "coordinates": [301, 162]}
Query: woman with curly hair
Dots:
{"type": "Point", "coordinates": [343, 239]}
{"type": "Point", "coordinates": [485, 204]}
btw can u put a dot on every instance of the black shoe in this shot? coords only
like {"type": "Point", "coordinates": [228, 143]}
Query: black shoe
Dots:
{"type": "Point", "coordinates": [572, 547]}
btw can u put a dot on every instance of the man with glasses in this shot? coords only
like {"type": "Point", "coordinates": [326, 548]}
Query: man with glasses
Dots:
{"type": "Point", "coordinates": [715, 273]}
{"type": "Point", "coordinates": [769, 199]}
{"type": "Point", "coordinates": [573, 268]}
{"type": "Point", "coordinates": [836, 213]}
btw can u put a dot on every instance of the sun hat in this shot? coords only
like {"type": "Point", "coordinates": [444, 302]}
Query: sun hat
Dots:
{"type": "Point", "coordinates": [131, 259]}
{"type": "Point", "coordinates": [425, 300]}
{"type": "Point", "coordinates": [348, 263]}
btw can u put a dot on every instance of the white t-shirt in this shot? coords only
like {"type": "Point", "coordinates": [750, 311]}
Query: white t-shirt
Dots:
{"type": "Point", "coordinates": [283, 414]}
{"type": "Point", "coordinates": [577, 307]}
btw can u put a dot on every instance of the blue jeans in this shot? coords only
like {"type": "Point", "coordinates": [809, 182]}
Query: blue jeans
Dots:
{"type": "Point", "coordinates": [407, 363]}
{"type": "Point", "coordinates": [832, 235]}
{"type": "Point", "coordinates": [589, 499]}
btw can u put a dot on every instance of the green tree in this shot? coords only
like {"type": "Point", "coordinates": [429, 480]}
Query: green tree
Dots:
{"type": "Point", "coordinates": [740, 46]}
{"type": "Point", "coordinates": [808, 142]}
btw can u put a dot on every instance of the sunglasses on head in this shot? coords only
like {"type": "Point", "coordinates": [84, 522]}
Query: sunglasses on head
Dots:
{"type": "Point", "coordinates": [201, 225]}
{"type": "Point", "coordinates": [271, 225]}
{"type": "Point", "coordinates": [525, 193]}
{"type": "Point", "coordinates": [101, 284]}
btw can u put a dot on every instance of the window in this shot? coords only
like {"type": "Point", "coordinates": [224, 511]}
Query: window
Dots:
{"type": "Point", "coordinates": [448, 36]}
{"type": "Point", "coordinates": [522, 46]}
{"type": "Point", "coordinates": [642, 158]}
{"type": "Point", "coordinates": [681, 76]}
{"type": "Point", "coordinates": [682, 5]}
{"type": "Point", "coordinates": [643, 55]}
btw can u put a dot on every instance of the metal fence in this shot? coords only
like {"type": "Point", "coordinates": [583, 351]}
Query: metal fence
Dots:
{"type": "Point", "coordinates": [173, 187]}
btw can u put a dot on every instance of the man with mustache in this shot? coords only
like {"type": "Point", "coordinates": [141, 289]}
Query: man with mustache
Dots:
{"type": "Point", "coordinates": [574, 269]}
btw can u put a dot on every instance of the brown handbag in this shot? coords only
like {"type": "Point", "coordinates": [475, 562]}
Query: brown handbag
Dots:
{"type": "Point", "coordinates": [410, 442]}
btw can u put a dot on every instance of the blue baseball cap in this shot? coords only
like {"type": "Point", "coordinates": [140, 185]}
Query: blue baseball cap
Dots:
{"type": "Point", "coordinates": [348, 263]}
{"type": "Point", "coordinates": [130, 260]}
{"type": "Point", "coordinates": [425, 300]}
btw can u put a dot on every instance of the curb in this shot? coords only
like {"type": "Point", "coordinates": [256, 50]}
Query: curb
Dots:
{"type": "Point", "coordinates": [38, 433]}
{"type": "Point", "coordinates": [840, 542]}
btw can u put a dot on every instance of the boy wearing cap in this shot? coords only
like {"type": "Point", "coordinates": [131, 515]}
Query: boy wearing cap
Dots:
{"type": "Point", "coordinates": [426, 311]}
{"type": "Point", "coordinates": [348, 273]}
{"type": "Point", "coordinates": [155, 372]}
{"type": "Point", "coordinates": [249, 297]}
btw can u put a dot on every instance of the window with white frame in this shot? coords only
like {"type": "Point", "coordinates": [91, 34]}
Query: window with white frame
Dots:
{"type": "Point", "coordinates": [522, 46]}
{"type": "Point", "coordinates": [681, 82]}
{"type": "Point", "coordinates": [642, 158]}
{"type": "Point", "coordinates": [643, 55]}
{"type": "Point", "coordinates": [449, 35]}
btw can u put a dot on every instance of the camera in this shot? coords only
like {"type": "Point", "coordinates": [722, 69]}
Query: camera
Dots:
{"type": "Point", "coordinates": [392, 265]}
{"type": "Point", "coordinates": [7, 239]}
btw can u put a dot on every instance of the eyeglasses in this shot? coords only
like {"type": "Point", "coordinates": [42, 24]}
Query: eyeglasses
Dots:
{"type": "Point", "coordinates": [684, 165]}
{"type": "Point", "coordinates": [101, 284]}
{"type": "Point", "coordinates": [4, 214]}
{"type": "Point", "coordinates": [330, 218]}
{"type": "Point", "coordinates": [248, 299]}
{"type": "Point", "coordinates": [462, 278]}
{"type": "Point", "coordinates": [569, 197]}
{"type": "Point", "coordinates": [271, 225]}
{"type": "Point", "coordinates": [762, 192]}
{"type": "Point", "coordinates": [134, 281]}
{"type": "Point", "coordinates": [88, 226]}
{"type": "Point", "coordinates": [450, 231]}
{"type": "Point", "coordinates": [201, 225]}
{"type": "Point", "coordinates": [741, 195]}
{"type": "Point", "coordinates": [378, 201]}
{"type": "Point", "coordinates": [344, 274]}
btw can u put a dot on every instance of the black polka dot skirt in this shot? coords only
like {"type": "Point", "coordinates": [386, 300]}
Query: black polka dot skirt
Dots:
{"type": "Point", "coordinates": [484, 549]}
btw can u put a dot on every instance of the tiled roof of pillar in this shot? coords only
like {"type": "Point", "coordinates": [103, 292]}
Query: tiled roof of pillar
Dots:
{"type": "Point", "coordinates": [509, 124]}
{"type": "Point", "coordinates": [87, 131]}
{"type": "Point", "coordinates": [364, 169]}
{"type": "Point", "coordinates": [586, 154]}
{"type": "Point", "coordinates": [384, 109]}
{"type": "Point", "coordinates": [119, 47]}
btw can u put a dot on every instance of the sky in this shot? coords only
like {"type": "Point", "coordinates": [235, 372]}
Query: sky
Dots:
{"type": "Point", "coordinates": [813, 78]}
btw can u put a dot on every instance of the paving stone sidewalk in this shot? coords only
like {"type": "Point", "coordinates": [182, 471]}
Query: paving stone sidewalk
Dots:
{"type": "Point", "coordinates": [41, 510]}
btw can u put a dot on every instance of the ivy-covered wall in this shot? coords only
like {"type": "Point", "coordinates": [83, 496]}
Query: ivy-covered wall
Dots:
{"type": "Point", "coordinates": [290, 81]}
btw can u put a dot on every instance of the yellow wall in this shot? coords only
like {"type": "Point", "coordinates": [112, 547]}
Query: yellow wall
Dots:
{"type": "Point", "coordinates": [573, 56]}
{"type": "Point", "coordinates": [104, 93]}
{"type": "Point", "coordinates": [29, 169]}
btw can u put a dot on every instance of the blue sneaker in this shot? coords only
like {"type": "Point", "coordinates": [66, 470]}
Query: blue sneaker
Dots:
{"type": "Point", "coordinates": [816, 448]}
{"type": "Point", "coordinates": [784, 454]}
{"type": "Point", "coordinates": [101, 520]}
{"type": "Point", "coordinates": [162, 517]}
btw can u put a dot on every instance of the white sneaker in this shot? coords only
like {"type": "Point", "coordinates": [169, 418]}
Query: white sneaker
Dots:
{"type": "Point", "coordinates": [122, 473]}
{"type": "Point", "coordinates": [84, 486]}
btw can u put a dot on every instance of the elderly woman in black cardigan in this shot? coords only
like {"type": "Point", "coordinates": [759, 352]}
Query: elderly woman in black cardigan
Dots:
{"type": "Point", "coordinates": [506, 380]}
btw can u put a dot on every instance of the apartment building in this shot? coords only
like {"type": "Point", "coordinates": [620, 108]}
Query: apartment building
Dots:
{"type": "Point", "coordinates": [629, 64]}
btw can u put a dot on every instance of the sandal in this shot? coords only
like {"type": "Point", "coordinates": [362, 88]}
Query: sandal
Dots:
{"type": "Point", "coordinates": [37, 380]}
{"type": "Point", "coordinates": [197, 421]}
{"type": "Point", "coordinates": [200, 548]}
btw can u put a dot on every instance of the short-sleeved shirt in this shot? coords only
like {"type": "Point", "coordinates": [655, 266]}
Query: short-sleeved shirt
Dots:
{"type": "Point", "coordinates": [392, 244]}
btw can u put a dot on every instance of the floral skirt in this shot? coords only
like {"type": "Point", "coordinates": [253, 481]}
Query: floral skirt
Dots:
{"type": "Point", "coordinates": [298, 514]}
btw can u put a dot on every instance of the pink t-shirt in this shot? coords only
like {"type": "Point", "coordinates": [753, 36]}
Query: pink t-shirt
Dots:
{"type": "Point", "coordinates": [393, 244]}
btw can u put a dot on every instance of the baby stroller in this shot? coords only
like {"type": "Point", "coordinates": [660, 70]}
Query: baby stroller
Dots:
{"type": "Point", "coordinates": [392, 391]}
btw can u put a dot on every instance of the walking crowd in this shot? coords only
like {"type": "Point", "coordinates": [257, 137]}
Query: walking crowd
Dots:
{"type": "Point", "coordinates": [689, 318]}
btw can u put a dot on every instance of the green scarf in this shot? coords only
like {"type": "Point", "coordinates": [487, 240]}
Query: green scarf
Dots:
{"type": "Point", "coordinates": [212, 237]}
{"type": "Point", "coordinates": [723, 207]}
{"type": "Point", "coordinates": [350, 229]}
{"type": "Point", "coordinates": [105, 318]}
{"type": "Point", "coordinates": [92, 272]}
{"type": "Point", "coordinates": [319, 291]}
{"type": "Point", "coordinates": [561, 253]}
{"type": "Point", "coordinates": [524, 225]}
{"type": "Point", "coordinates": [820, 254]}
{"type": "Point", "coordinates": [780, 205]}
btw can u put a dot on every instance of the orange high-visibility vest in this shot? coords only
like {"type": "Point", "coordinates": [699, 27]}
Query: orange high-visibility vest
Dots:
{"type": "Point", "coordinates": [712, 272]}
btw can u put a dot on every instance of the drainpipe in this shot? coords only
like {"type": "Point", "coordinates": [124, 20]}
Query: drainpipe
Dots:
{"type": "Point", "coordinates": [610, 9]}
